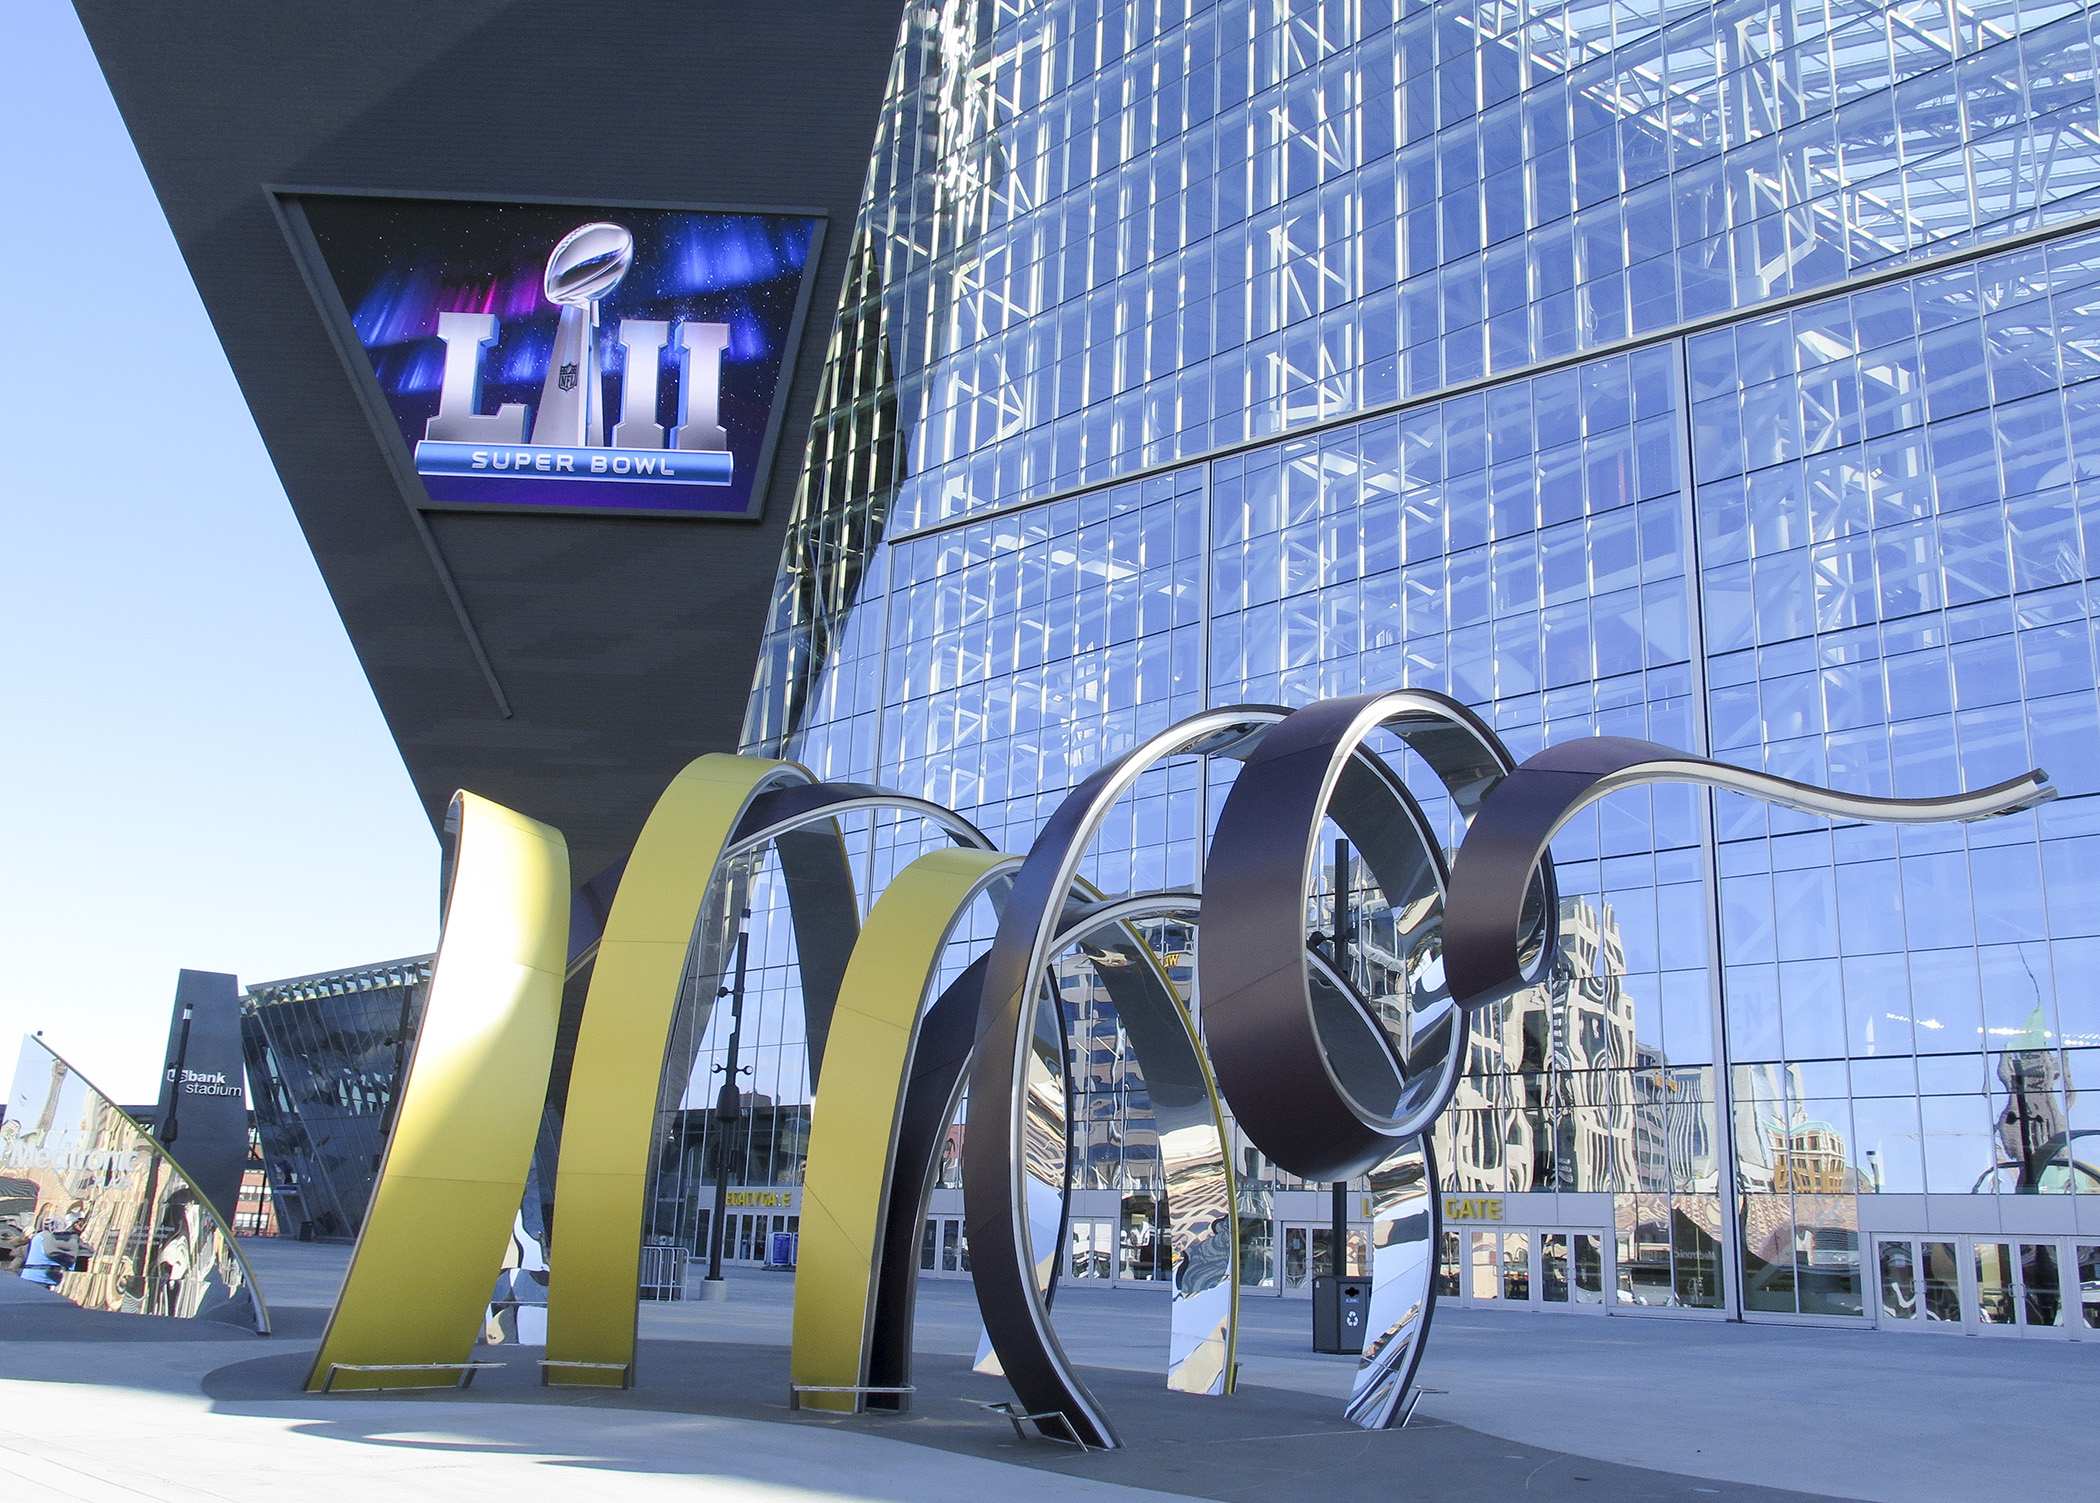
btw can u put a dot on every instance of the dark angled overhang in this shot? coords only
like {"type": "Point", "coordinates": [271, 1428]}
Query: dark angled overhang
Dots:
{"type": "Point", "coordinates": [566, 666]}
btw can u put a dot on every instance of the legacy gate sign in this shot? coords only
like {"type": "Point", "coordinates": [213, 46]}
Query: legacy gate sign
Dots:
{"type": "Point", "coordinates": [1326, 1082]}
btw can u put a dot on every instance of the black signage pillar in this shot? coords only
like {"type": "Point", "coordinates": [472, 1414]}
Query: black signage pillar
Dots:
{"type": "Point", "coordinates": [202, 1118]}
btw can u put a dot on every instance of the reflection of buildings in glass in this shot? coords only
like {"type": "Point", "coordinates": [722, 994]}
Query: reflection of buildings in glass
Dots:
{"type": "Point", "coordinates": [2034, 1142]}
{"type": "Point", "coordinates": [1115, 1142]}
{"type": "Point", "coordinates": [1673, 1143]}
{"type": "Point", "coordinates": [1114, 1134]}
{"type": "Point", "coordinates": [1781, 1147]}
{"type": "Point", "coordinates": [767, 1145]}
{"type": "Point", "coordinates": [256, 1215]}
{"type": "Point", "coordinates": [324, 1055]}
{"type": "Point", "coordinates": [1800, 1226]}
{"type": "Point", "coordinates": [148, 1243]}
{"type": "Point", "coordinates": [1810, 1160]}
{"type": "Point", "coordinates": [1125, 482]}
{"type": "Point", "coordinates": [1550, 1099]}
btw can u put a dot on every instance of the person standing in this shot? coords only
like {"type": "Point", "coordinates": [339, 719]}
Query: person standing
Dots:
{"type": "Point", "coordinates": [54, 1252]}
{"type": "Point", "coordinates": [38, 1264]}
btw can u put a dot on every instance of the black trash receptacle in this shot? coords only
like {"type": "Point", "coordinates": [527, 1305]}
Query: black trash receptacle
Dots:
{"type": "Point", "coordinates": [1340, 1308]}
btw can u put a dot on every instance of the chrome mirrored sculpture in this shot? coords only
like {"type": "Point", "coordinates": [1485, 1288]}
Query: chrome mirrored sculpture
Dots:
{"type": "Point", "coordinates": [103, 1214]}
{"type": "Point", "coordinates": [1331, 1068]}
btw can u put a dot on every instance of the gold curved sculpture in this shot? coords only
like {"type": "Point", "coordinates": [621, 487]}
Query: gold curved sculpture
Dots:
{"type": "Point", "coordinates": [456, 1160]}
{"type": "Point", "coordinates": [852, 1164]}
{"type": "Point", "coordinates": [603, 1176]}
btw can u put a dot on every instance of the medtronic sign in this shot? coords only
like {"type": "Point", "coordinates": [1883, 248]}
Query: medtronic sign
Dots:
{"type": "Point", "coordinates": [1323, 1082]}
{"type": "Point", "coordinates": [568, 357]}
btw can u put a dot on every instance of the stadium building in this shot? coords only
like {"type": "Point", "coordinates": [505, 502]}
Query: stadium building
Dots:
{"type": "Point", "coordinates": [1718, 375]}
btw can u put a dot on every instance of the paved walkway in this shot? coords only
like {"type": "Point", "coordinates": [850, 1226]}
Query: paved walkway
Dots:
{"type": "Point", "coordinates": [100, 1407]}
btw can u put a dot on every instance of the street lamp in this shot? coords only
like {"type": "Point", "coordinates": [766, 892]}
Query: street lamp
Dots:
{"type": "Point", "coordinates": [729, 1109]}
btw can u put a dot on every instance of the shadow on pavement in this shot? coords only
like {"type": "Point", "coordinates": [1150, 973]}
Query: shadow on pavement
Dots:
{"type": "Point", "coordinates": [1260, 1444]}
{"type": "Point", "coordinates": [59, 1320]}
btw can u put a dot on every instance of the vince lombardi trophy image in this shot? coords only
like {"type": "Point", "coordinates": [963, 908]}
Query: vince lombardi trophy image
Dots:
{"type": "Point", "coordinates": [586, 266]}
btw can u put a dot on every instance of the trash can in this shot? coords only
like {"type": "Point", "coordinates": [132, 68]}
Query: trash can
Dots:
{"type": "Point", "coordinates": [663, 1273]}
{"type": "Point", "coordinates": [1340, 1308]}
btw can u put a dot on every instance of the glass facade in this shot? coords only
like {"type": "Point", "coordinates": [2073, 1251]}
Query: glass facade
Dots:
{"type": "Point", "coordinates": [325, 1054]}
{"type": "Point", "coordinates": [1716, 375]}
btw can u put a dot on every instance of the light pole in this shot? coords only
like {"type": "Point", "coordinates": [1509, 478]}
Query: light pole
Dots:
{"type": "Point", "coordinates": [729, 1109]}
{"type": "Point", "coordinates": [165, 1128]}
{"type": "Point", "coordinates": [1338, 1208]}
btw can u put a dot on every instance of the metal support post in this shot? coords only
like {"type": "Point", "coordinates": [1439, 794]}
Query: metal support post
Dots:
{"type": "Point", "coordinates": [729, 1109]}
{"type": "Point", "coordinates": [1344, 922]}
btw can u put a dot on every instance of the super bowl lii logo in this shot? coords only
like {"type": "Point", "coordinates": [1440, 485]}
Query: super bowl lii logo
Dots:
{"type": "Point", "coordinates": [565, 436]}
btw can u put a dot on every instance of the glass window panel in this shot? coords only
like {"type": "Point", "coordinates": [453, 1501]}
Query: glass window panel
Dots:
{"type": "Point", "coordinates": [1887, 1155]}
{"type": "Point", "coordinates": [1942, 1282]}
{"type": "Point", "coordinates": [1752, 1003]}
{"type": "Point", "coordinates": [2089, 1284]}
{"type": "Point", "coordinates": [1696, 1250]}
{"type": "Point", "coordinates": [1553, 1267]}
{"type": "Point", "coordinates": [1589, 1268]}
{"type": "Point", "coordinates": [1899, 1281]}
{"type": "Point", "coordinates": [1485, 1280]}
{"type": "Point", "coordinates": [1768, 1253]}
{"type": "Point", "coordinates": [2041, 1289]}
{"type": "Point", "coordinates": [1516, 1265]}
{"type": "Point", "coordinates": [1811, 1005]}
{"type": "Point", "coordinates": [1959, 1150]}
{"type": "Point", "coordinates": [1994, 1284]}
{"type": "Point", "coordinates": [1827, 1259]}
{"type": "Point", "coordinates": [1447, 1271]}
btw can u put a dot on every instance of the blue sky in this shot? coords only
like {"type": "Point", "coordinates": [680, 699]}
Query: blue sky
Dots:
{"type": "Point", "coordinates": [193, 769]}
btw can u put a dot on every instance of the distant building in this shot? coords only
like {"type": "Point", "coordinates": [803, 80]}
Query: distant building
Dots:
{"type": "Point", "coordinates": [324, 1054]}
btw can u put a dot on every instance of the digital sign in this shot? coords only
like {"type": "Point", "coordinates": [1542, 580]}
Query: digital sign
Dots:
{"type": "Point", "coordinates": [566, 357]}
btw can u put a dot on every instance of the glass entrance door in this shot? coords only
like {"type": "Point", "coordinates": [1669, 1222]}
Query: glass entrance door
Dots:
{"type": "Point", "coordinates": [1989, 1286]}
{"type": "Point", "coordinates": [1132, 1251]}
{"type": "Point", "coordinates": [744, 1235]}
{"type": "Point", "coordinates": [1531, 1268]}
{"type": "Point", "coordinates": [944, 1251]}
{"type": "Point", "coordinates": [1303, 1257]}
{"type": "Point", "coordinates": [1091, 1244]}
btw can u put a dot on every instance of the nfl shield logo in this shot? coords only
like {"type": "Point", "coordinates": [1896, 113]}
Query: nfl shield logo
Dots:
{"type": "Point", "coordinates": [567, 379]}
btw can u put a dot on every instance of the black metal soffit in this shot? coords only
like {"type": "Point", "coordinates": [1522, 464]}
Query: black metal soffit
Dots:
{"type": "Point", "coordinates": [565, 666]}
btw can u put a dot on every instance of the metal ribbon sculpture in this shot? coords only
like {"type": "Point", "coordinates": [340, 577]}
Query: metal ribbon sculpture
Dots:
{"type": "Point", "coordinates": [1327, 1083]}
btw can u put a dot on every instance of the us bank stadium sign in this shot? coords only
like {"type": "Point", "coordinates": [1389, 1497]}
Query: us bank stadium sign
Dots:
{"type": "Point", "coordinates": [567, 357]}
{"type": "Point", "coordinates": [906, 1018]}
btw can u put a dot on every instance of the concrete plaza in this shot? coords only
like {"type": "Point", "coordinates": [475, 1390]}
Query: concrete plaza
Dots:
{"type": "Point", "coordinates": [106, 1407]}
